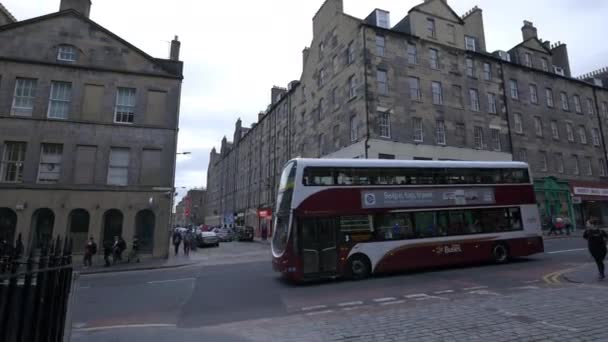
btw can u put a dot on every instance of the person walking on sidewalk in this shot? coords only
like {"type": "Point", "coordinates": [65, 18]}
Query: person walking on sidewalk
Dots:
{"type": "Point", "coordinates": [596, 242]}
{"type": "Point", "coordinates": [90, 249]}
{"type": "Point", "coordinates": [107, 252]}
{"type": "Point", "coordinates": [177, 240]}
{"type": "Point", "coordinates": [552, 227]}
{"type": "Point", "coordinates": [134, 254]}
{"type": "Point", "coordinates": [567, 224]}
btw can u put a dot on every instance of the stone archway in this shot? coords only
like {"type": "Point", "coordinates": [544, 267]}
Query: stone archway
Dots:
{"type": "Point", "coordinates": [145, 222]}
{"type": "Point", "coordinates": [8, 224]}
{"type": "Point", "coordinates": [78, 222]}
{"type": "Point", "coordinates": [112, 225]}
{"type": "Point", "coordinates": [43, 222]}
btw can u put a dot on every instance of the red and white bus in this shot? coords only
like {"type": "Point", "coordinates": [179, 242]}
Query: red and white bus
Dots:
{"type": "Point", "coordinates": [349, 217]}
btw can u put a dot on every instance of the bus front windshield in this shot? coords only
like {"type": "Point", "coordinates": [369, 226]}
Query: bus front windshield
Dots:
{"type": "Point", "coordinates": [282, 212]}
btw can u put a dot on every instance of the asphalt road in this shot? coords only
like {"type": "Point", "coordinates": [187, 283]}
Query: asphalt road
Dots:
{"type": "Point", "coordinates": [155, 304]}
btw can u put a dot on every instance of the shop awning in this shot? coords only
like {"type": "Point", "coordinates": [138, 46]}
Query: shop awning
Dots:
{"type": "Point", "coordinates": [589, 191]}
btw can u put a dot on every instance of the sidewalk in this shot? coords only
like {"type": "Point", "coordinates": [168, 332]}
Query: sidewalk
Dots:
{"type": "Point", "coordinates": [585, 274]}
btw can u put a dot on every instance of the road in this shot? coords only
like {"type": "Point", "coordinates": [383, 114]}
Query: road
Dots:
{"type": "Point", "coordinates": [184, 302]}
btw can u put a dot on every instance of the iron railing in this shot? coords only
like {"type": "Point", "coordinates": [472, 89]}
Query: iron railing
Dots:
{"type": "Point", "coordinates": [34, 291]}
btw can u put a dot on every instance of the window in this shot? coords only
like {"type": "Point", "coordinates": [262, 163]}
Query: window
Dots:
{"type": "Point", "coordinates": [487, 71]}
{"type": "Point", "coordinates": [417, 127]}
{"type": "Point", "coordinates": [514, 90]}
{"type": "Point", "coordinates": [577, 104]}
{"type": "Point", "coordinates": [25, 93]}
{"type": "Point", "coordinates": [414, 88]}
{"type": "Point", "coordinates": [334, 98]}
{"type": "Point", "coordinates": [384, 123]}
{"type": "Point", "coordinates": [559, 160]}
{"type": "Point", "coordinates": [549, 95]}
{"type": "Point", "coordinates": [335, 64]}
{"type": "Point", "coordinates": [321, 50]}
{"type": "Point", "coordinates": [575, 165]}
{"type": "Point", "coordinates": [582, 134]}
{"type": "Point", "coordinates": [569, 132]}
{"type": "Point", "coordinates": [564, 98]}
{"type": "Point", "coordinates": [412, 54]}
{"type": "Point", "coordinates": [527, 59]}
{"type": "Point", "coordinates": [457, 94]}
{"type": "Point", "coordinates": [434, 58]}
{"type": "Point", "coordinates": [588, 166]}
{"type": "Point", "coordinates": [602, 163]}
{"type": "Point", "coordinates": [382, 79]}
{"type": "Point", "coordinates": [544, 64]}
{"type": "Point", "coordinates": [321, 145]}
{"type": "Point", "coordinates": [354, 134]}
{"type": "Point", "coordinates": [492, 103]}
{"type": "Point", "coordinates": [595, 134]}
{"type": "Point", "coordinates": [350, 53]}
{"type": "Point", "coordinates": [66, 53]}
{"type": "Point", "coordinates": [605, 110]}
{"type": "Point", "coordinates": [470, 43]}
{"type": "Point", "coordinates": [352, 87]}
{"type": "Point", "coordinates": [125, 105]}
{"type": "Point", "coordinates": [437, 93]}
{"type": "Point", "coordinates": [470, 67]}
{"type": "Point", "coordinates": [495, 133]}
{"type": "Point", "coordinates": [590, 110]}
{"type": "Point", "coordinates": [538, 126]}
{"type": "Point", "coordinates": [474, 98]}
{"type": "Point", "coordinates": [59, 100]}
{"type": "Point", "coordinates": [118, 167]}
{"type": "Point", "coordinates": [517, 122]}
{"type": "Point", "coordinates": [533, 94]}
{"type": "Point", "coordinates": [440, 132]}
{"type": "Point", "coordinates": [543, 161]}
{"type": "Point", "coordinates": [49, 169]}
{"type": "Point", "coordinates": [380, 45]}
{"type": "Point", "coordinates": [478, 136]}
{"type": "Point", "coordinates": [523, 155]}
{"type": "Point", "coordinates": [554, 130]}
{"type": "Point", "coordinates": [430, 27]}
{"type": "Point", "coordinates": [13, 157]}
{"type": "Point", "coordinates": [321, 77]}
{"type": "Point", "coordinates": [321, 109]}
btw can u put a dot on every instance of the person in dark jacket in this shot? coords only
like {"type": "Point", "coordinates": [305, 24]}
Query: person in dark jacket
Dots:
{"type": "Point", "coordinates": [177, 240]}
{"type": "Point", "coordinates": [90, 249]}
{"type": "Point", "coordinates": [596, 242]}
{"type": "Point", "coordinates": [19, 248]}
{"type": "Point", "coordinates": [107, 252]}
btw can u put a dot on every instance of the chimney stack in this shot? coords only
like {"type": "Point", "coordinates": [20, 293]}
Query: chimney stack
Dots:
{"type": "Point", "coordinates": [81, 6]}
{"type": "Point", "coordinates": [175, 46]}
{"type": "Point", "coordinates": [528, 31]}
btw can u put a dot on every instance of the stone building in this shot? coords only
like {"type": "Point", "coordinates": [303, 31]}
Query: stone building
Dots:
{"type": "Point", "coordinates": [87, 122]}
{"type": "Point", "coordinates": [424, 88]}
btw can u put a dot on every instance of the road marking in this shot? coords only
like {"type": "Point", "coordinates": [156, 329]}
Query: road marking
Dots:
{"type": "Point", "coordinates": [553, 278]}
{"type": "Point", "coordinates": [531, 281]}
{"type": "Point", "coordinates": [563, 327]}
{"type": "Point", "coordinates": [319, 312]}
{"type": "Point", "coordinates": [351, 303]}
{"type": "Point", "coordinates": [474, 288]}
{"type": "Point", "coordinates": [169, 280]}
{"type": "Point", "coordinates": [568, 251]}
{"type": "Point", "coordinates": [351, 308]}
{"type": "Point", "coordinates": [393, 302]}
{"type": "Point", "coordinates": [126, 326]}
{"type": "Point", "coordinates": [415, 295]}
{"type": "Point", "coordinates": [524, 288]}
{"type": "Point", "coordinates": [484, 293]}
{"type": "Point", "coordinates": [443, 292]}
{"type": "Point", "coordinates": [385, 299]}
{"type": "Point", "coordinates": [315, 307]}
{"type": "Point", "coordinates": [423, 296]}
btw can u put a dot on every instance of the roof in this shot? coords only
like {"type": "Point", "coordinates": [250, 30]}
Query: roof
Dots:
{"type": "Point", "coordinates": [7, 13]}
{"type": "Point", "coordinates": [533, 39]}
{"type": "Point", "coordinates": [418, 8]}
{"type": "Point", "coordinates": [90, 22]}
{"type": "Point", "coordinates": [407, 163]}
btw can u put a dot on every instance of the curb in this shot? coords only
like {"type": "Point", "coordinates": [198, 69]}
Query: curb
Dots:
{"type": "Point", "coordinates": [143, 268]}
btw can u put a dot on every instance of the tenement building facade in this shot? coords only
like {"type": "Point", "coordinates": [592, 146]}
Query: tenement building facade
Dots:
{"type": "Point", "coordinates": [424, 88]}
{"type": "Point", "coordinates": [88, 123]}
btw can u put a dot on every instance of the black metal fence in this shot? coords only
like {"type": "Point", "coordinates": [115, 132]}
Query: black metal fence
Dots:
{"type": "Point", "coordinates": [34, 291]}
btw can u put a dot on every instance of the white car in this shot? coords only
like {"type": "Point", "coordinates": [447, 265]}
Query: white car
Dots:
{"type": "Point", "coordinates": [207, 239]}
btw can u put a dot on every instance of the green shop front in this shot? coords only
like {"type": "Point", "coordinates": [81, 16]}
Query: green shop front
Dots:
{"type": "Point", "coordinates": [554, 198]}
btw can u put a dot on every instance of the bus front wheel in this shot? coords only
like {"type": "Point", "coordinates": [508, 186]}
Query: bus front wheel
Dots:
{"type": "Point", "coordinates": [500, 253]}
{"type": "Point", "coordinates": [359, 267]}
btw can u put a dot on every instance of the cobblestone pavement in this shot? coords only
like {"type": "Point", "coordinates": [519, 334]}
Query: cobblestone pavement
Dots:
{"type": "Point", "coordinates": [529, 313]}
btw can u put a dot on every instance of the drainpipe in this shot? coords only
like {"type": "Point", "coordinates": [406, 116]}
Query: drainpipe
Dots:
{"type": "Point", "coordinates": [599, 119]}
{"type": "Point", "coordinates": [366, 147]}
{"type": "Point", "coordinates": [504, 98]}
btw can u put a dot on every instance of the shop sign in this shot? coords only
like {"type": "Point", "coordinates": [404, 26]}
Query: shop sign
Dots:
{"type": "Point", "coordinates": [266, 213]}
{"type": "Point", "coordinates": [577, 200]}
{"type": "Point", "coordinates": [590, 191]}
{"type": "Point", "coordinates": [422, 198]}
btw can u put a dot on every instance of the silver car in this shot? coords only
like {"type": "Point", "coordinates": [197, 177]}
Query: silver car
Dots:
{"type": "Point", "coordinates": [207, 239]}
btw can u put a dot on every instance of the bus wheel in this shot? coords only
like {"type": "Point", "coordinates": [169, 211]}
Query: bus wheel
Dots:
{"type": "Point", "coordinates": [359, 267]}
{"type": "Point", "coordinates": [500, 253]}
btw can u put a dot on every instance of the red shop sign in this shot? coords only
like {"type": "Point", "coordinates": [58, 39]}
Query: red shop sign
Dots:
{"type": "Point", "coordinates": [265, 213]}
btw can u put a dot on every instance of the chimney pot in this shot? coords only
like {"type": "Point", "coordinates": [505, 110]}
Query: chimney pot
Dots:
{"type": "Point", "coordinates": [528, 31]}
{"type": "Point", "coordinates": [175, 46]}
{"type": "Point", "coordinates": [81, 6]}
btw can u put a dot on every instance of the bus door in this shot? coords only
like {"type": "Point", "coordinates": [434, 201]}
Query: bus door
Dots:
{"type": "Point", "coordinates": [319, 246]}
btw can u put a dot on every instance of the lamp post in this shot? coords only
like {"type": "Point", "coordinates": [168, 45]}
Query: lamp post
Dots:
{"type": "Point", "coordinates": [173, 189]}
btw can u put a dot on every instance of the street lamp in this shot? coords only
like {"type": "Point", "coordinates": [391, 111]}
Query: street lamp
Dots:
{"type": "Point", "coordinates": [173, 192]}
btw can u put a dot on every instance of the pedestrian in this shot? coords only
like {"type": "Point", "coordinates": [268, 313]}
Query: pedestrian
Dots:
{"type": "Point", "coordinates": [567, 224]}
{"type": "Point", "coordinates": [559, 224]}
{"type": "Point", "coordinates": [90, 249]}
{"type": "Point", "coordinates": [19, 248]}
{"type": "Point", "coordinates": [107, 252]}
{"type": "Point", "coordinates": [187, 242]}
{"type": "Point", "coordinates": [177, 240]}
{"type": "Point", "coordinates": [122, 246]}
{"type": "Point", "coordinates": [596, 242]}
{"type": "Point", "coordinates": [134, 255]}
{"type": "Point", "coordinates": [552, 227]}
{"type": "Point", "coordinates": [117, 249]}
{"type": "Point", "coordinates": [264, 232]}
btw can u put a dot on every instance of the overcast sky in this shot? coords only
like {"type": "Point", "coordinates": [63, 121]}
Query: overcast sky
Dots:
{"type": "Point", "coordinates": [235, 51]}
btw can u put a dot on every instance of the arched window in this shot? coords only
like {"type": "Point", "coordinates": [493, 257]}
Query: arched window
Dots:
{"type": "Point", "coordinates": [112, 225]}
{"type": "Point", "coordinates": [43, 221]}
{"type": "Point", "coordinates": [144, 230]}
{"type": "Point", "coordinates": [8, 224]}
{"type": "Point", "coordinates": [78, 221]}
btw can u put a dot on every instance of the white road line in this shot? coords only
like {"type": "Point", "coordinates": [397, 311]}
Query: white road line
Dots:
{"type": "Point", "coordinates": [443, 292]}
{"type": "Point", "coordinates": [484, 292]}
{"type": "Point", "coordinates": [351, 308]}
{"type": "Point", "coordinates": [474, 288]}
{"type": "Point", "coordinates": [416, 295]}
{"type": "Point", "coordinates": [567, 251]}
{"type": "Point", "coordinates": [351, 303]}
{"type": "Point", "coordinates": [315, 307]}
{"type": "Point", "coordinates": [531, 281]}
{"type": "Point", "coordinates": [169, 280]}
{"type": "Point", "coordinates": [126, 326]}
{"type": "Point", "coordinates": [423, 296]}
{"type": "Point", "coordinates": [524, 288]}
{"type": "Point", "coordinates": [319, 312]}
{"type": "Point", "coordinates": [385, 299]}
{"type": "Point", "coordinates": [563, 327]}
{"type": "Point", "coordinates": [393, 302]}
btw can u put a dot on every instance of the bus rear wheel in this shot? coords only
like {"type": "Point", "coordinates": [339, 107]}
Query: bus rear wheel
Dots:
{"type": "Point", "coordinates": [500, 253]}
{"type": "Point", "coordinates": [359, 267]}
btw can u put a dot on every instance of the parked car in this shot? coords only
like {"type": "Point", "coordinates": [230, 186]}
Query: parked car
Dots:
{"type": "Point", "coordinates": [204, 239]}
{"type": "Point", "coordinates": [225, 234]}
{"type": "Point", "coordinates": [244, 233]}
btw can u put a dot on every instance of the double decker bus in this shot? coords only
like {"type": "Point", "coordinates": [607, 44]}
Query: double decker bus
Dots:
{"type": "Point", "coordinates": [349, 217]}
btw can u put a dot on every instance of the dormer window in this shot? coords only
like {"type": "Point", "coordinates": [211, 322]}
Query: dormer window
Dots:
{"type": "Point", "coordinates": [66, 53]}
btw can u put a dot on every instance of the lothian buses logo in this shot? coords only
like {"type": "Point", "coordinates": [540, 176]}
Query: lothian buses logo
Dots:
{"type": "Point", "coordinates": [370, 199]}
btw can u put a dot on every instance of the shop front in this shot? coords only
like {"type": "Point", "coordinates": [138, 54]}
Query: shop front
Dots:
{"type": "Point", "coordinates": [554, 198]}
{"type": "Point", "coordinates": [591, 200]}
